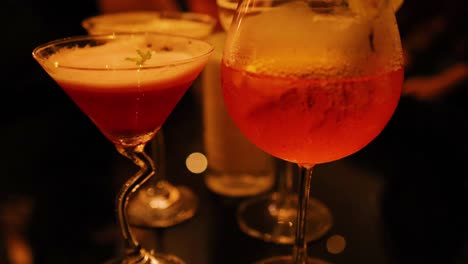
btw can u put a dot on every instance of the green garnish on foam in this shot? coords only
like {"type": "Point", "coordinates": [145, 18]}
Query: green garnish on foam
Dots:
{"type": "Point", "coordinates": [143, 56]}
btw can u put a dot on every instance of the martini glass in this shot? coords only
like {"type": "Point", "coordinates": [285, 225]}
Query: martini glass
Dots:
{"type": "Point", "coordinates": [127, 84]}
{"type": "Point", "coordinates": [272, 216]}
{"type": "Point", "coordinates": [159, 203]}
{"type": "Point", "coordinates": [310, 82]}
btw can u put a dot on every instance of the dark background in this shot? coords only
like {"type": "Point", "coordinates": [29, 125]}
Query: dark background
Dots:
{"type": "Point", "coordinates": [402, 199]}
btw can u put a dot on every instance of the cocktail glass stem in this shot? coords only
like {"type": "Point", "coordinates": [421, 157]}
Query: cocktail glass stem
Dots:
{"type": "Point", "coordinates": [147, 169]}
{"type": "Point", "coordinates": [300, 245]}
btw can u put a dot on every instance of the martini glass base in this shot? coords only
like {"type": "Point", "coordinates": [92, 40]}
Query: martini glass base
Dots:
{"type": "Point", "coordinates": [288, 260]}
{"type": "Point", "coordinates": [155, 209]}
{"type": "Point", "coordinates": [147, 258]}
{"type": "Point", "coordinates": [272, 218]}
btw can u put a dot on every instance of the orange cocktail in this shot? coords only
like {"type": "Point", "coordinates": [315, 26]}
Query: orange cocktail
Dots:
{"type": "Point", "coordinates": [308, 120]}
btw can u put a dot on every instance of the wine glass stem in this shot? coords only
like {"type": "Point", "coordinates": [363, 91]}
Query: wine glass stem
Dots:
{"type": "Point", "coordinates": [147, 169]}
{"type": "Point", "coordinates": [300, 245]}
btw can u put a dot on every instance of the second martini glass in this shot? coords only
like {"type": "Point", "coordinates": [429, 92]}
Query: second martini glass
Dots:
{"type": "Point", "coordinates": [159, 203]}
{"type": "Point", "coordinates": [127, 84]}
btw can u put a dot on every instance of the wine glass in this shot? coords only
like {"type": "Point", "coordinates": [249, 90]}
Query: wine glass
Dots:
{"type": "Point", "coordinates": [272, 217]}
{"type": "Point", "coordinates": [127, 84]}
{"type": "Point", "coordinates": [159, 203]}
{"type": "Point", "coordinates": [310, 82]}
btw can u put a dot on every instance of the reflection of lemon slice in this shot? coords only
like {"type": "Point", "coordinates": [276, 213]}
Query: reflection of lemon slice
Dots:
{"type": "Point", "coordinates": [370, 8]}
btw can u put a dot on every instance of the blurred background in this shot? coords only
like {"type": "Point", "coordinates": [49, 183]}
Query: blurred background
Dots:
{"type": "Point", "coordinates": [402, 199]}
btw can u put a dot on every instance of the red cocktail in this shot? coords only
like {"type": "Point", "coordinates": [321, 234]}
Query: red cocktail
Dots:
{"type": "Point", "coordinates": [125, 112]}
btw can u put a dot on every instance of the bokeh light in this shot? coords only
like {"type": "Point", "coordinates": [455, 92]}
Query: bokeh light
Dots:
{"type": "Point", "coordinates": [336, 244]}
{"type": "Point", "coordinates": [196, 162]}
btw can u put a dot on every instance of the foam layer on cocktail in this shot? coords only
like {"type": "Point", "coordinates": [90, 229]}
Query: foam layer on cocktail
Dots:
{"type": "Point", "coordinates": [113, 64]}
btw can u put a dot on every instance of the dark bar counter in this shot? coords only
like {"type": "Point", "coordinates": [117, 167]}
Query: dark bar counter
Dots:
{"type": "Point", "coordinates": [402, 199]}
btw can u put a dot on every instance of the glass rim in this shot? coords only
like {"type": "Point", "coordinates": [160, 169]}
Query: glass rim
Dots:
{"type": "Point", "coordinates": [71, 39]}
{"type": "Point", "coordinates": [190, 16]}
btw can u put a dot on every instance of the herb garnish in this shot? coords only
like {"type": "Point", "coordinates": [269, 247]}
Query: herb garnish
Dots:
{"type": "Point", "coordinates": [143, 56]}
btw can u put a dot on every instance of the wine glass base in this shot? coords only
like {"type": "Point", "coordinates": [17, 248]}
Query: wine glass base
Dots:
{"type": "Point", "coordinates": [147, 258]}
{"type": "Point", "coordinates": [272, 218]}
{"type": "Point", "coordinates": [238, 184]}
{"type": "Point", "coordinates": [146, 210]}
{"type": "Point", "coordinates": [288, 260]}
